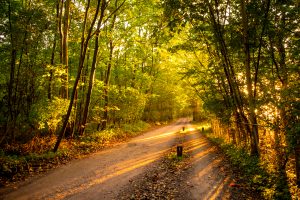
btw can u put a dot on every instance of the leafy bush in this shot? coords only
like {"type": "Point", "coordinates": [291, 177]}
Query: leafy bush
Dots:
{"type": "Point", "coordinates": [47, 114]}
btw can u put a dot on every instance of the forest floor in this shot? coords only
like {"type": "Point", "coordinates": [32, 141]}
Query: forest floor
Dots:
{"type": "Point", "coordinates": [146, 167]}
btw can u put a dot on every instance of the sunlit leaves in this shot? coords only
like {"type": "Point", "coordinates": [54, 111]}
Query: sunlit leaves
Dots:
{"type": "Point", "coordinates": [48, 114]}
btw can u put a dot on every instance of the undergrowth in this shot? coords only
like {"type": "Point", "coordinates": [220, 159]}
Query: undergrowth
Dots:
{"type": "Point", "coordinates": [253, 171]}
{"type": "Point", "coordinates": [19, 161]}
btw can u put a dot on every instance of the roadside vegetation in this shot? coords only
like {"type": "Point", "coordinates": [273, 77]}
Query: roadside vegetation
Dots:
{"type": "Point", "coordinates": [21, 160]}
{"type": "Point", "coordinates": [254, 172]}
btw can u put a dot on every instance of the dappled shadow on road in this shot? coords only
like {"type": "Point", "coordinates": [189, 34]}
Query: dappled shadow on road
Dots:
{"type": "Point", "coordinates": [205, 178]}
{"type": "Point", "coordinates": [196, 176]}
{"type": "Point", "coordinates": [103, 174]}
{"type": "Point", "coordinates": [116, 172]}
{"type": "Point", "coordinates": [210, 175]}
{"type": "Point", "coordinates": [199, 174]}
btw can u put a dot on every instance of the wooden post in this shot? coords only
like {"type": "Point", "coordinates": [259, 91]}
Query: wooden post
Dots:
{"type": "Point", "coordinates": [179, 150]}
{"type": "Point", "coordinates": [183, 128]}
{"type": "Point", "coordinates": [202, 129]}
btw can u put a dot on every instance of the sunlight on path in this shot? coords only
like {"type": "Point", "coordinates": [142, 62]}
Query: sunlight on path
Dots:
{"type": "Point", "coordinates": [103, 174]}
{"type": "Point", "coordinates": [164, 135]}
{"type": "Point", "coordinates": [205, 179]}
{"type": "Point", "coordinates": [119, 169]}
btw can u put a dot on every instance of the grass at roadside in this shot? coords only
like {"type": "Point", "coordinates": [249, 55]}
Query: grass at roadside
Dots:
{"type": "Point", "coordinates": [19, 161]}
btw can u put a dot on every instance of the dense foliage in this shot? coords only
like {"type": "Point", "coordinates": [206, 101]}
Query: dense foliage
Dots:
{"type": "Point", "coordinates": [67, 65]}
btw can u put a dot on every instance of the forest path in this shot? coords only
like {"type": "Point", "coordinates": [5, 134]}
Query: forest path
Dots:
{"type": "Point", "coordinates": [137, 170]}
{"type": "Point", "coordinates": [208, 176]}
{"type": "Point", "coordinates": [103, 174]}
{"type": "Point", "coordinates": [203, 174]}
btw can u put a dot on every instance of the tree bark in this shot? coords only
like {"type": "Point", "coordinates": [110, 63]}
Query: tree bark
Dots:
{"type": "Point", "coordinates": [229, 71]}
{"type": "Point", "coordinates": [106, 87]}
{"type": "Point", "coordinates": [10, 117]}
{"type": "Point", "coordinates": [59, 10]}
{"type": "Point", "coordinates": [51, 70]}
{"type": "Point", "coordinates": [57, 35]}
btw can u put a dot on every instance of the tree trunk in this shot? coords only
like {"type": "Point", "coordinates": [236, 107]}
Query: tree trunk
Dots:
{"type": "Point", "coordinates": [107, 78]}
{"type": "Point", "coordinates": [82, 126]}
{"type": "Point", "coordinates": [106, 88]}
{"type": "Point", "coordinates": [59, 9]}
{"type": "Point", "coordinates": [84, 45]}
{"type": "Point", "coordinates": [10, 117]}
{"type": "Point", "coordinates": [65, 56]}
{"type": "Point", "coordinates": [229, 71]}
{"type": "Point", "coordinates": [253, 121]}
{"type": "Point", "coordinates": [57, 35]}
{"type": "Point", "coordinates": [51, 70]}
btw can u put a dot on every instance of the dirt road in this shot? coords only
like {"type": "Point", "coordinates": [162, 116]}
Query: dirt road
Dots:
{"type": "Point", "coordinates": [136, 170]}
{"type": "Point", "coordinates": [203, 174]}
{"type": "Point", "coordinates": [103, 174]}
{"type": "Point", "coordinates": [206, 178]}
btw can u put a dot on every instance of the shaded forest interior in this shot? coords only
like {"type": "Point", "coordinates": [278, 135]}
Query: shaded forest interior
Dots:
{"type": "Point", "coordinates": [78, 74]}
